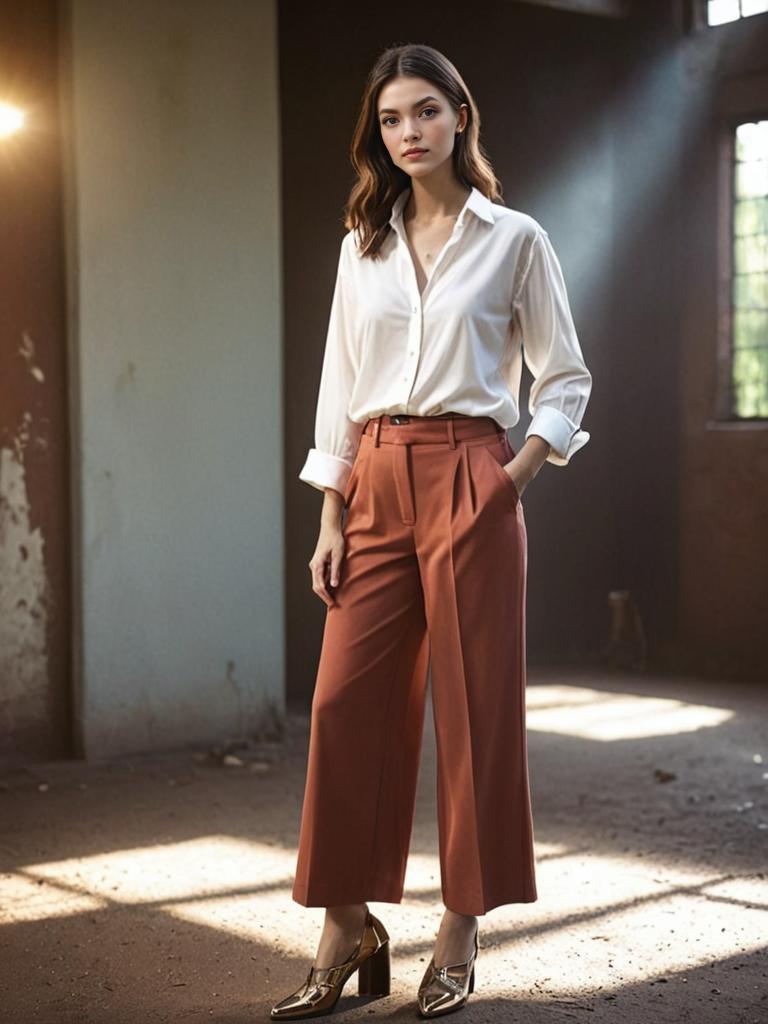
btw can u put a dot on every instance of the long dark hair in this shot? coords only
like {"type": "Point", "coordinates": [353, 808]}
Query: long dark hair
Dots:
{"type": "Point", "coordinates": [379, 181]}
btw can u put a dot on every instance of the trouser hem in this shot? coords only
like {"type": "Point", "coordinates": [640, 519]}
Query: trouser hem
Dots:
{"type": "Point", "coordinates": [302, 895]}
{"type": "Point", "coordinates": [308, 896]}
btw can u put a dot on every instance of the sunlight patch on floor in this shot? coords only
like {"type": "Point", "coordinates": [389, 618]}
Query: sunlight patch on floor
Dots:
{"type": "Point", "coordinates": [590, 903]}
{"type": "Point", "coordinates": [24, 899]}
{"type": "Point", "coordinates": [597, 715]}
{"type": "Point", "coordinates": [193, 869]}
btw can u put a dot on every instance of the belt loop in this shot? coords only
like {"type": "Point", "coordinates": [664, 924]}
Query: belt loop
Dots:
{"type": "Point", "coordinates": [451, 433]}
{"type": "Point", "coordinates": [376, 431]}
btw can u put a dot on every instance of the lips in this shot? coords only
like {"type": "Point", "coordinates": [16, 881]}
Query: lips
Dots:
{"type": "Point", "coordinates": [414, 152]}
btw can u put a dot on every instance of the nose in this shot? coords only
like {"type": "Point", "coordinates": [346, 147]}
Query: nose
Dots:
{"type": "Point", "coordinates": [410, 133]}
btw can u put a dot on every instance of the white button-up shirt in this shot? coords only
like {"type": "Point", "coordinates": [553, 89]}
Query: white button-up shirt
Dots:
{"type": "Point", "coordinates": [495, 296]}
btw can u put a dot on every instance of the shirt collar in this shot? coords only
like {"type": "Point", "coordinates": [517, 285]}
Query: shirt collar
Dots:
{"type": "Point", "coordinates": [476, 202]}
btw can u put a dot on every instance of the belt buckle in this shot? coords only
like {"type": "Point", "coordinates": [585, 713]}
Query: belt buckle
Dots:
{"type": "Point", "coordinates": [400, 418]}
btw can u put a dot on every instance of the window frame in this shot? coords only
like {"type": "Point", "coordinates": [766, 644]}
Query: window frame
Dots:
{"type": "Point", "coordinates": [726, 188]}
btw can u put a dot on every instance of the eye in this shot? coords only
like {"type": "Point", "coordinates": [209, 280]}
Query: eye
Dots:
{"type": "Point", "coordinates": [391, 117]}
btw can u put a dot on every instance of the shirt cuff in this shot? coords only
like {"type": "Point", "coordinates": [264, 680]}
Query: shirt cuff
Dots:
{"type": "Point", "coordinates": [562, 435]}
{"type": "Point", "coordinates": [322, 470]}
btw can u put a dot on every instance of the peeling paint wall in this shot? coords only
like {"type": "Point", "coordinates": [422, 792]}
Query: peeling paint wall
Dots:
{"type": "Point", "coordinates": [23, 613]}
{"type": "Point", "coordinates": [35, 677]}
{"type": "Point", "coordinates": [174, 231]}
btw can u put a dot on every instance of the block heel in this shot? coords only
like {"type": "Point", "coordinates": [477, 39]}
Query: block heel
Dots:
{"type": "Point", "coordinates": [373, 977]}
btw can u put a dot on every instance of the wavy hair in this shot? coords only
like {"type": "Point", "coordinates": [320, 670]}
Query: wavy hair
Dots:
{"type": "Point", "coordinates": [379, 181]}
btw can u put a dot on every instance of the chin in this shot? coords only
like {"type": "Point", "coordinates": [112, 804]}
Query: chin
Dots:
{"type": "Point", "coordinates": [419, 171]}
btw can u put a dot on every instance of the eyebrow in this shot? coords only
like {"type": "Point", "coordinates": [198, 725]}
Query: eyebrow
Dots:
{"type": "Point", "coordinates": [418, 103]}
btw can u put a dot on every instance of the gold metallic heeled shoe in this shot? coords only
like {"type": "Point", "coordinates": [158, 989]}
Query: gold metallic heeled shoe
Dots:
{"type": "Point", "coordinates": [444, 989]}
{"type": "Point", "coordinates": [322, 987]}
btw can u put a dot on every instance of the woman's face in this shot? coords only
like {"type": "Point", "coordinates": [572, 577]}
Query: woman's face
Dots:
{"type": "Point", "coordinates": [414, 114]}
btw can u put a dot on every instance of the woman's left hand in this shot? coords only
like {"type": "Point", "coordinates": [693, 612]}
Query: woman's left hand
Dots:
{"type": "Point", "coordinates": [527, 463]}
{"type": "Point", "coordinates": [517, 478]}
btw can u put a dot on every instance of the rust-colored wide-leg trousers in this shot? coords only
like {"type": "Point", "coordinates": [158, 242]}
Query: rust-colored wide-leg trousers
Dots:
{"type": "Point", "coordinates": [434, 568]}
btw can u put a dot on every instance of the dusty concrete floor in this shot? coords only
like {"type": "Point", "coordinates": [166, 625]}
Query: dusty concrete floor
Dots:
{"type": "Point", "coordinates": [154, 889]}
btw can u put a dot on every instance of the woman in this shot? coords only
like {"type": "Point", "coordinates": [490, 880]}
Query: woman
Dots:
{"type": "Point", "coordinates": [441, 291]}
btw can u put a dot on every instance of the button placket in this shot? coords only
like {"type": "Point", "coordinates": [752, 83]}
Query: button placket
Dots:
{"type": "Point", "coordinates": [458, 227]}
{"type": "Point", "coordinates": [418, 302]}
{"type": "Point", "coordinates": [414, 326]}
{"type": "Point", "coordinates": [414, 344]}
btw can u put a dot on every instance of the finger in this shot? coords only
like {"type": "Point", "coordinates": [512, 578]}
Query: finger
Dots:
{"type": "Point", "coordinates": [335, 570]}
{"type": "Point", "coordinates": [318, 585]}
{"type": "Point", "coordinates": [328, 582]}
{"type": "Point", "coordinates": [322, 593]}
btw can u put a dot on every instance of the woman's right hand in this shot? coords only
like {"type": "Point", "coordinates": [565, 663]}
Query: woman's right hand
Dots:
{"type": "Point", "coordinates": [325, 564]}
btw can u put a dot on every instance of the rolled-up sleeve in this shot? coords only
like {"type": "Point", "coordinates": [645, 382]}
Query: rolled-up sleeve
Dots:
{"type": "Point", "coordinates": [329, 463]}
{"type": "Point", "coordinates": [562, 383]}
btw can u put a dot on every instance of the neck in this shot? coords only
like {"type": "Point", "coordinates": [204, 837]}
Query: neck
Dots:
{"type": "Point", "coordinates": [433, 200]}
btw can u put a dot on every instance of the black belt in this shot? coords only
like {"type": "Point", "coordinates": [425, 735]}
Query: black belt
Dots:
{"type": "Point", "coordinates": [403, 418]}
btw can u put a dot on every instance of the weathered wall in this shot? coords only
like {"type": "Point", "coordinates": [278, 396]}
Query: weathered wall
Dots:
{"type": "Point", "coordinates": [34, 497]}
{"type": "Point", "coordinates": [174, 260]}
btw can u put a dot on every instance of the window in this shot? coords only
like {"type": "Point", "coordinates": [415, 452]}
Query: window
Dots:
{"type": "Point", "coordinates": [749, 272]}
{"type": "Point", "coordinates": [721, 11]}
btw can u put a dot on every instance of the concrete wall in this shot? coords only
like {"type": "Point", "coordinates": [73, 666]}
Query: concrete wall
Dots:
{"type": "Point", "coordinates": [34, 480]}
{"type": "Point", "coordinates": [175, 353]}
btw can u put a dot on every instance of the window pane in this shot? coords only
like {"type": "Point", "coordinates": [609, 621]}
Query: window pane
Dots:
{"type": "Point", "coordinates": [720, 11]}
{"type": "Point", "coordinates": [752, 178]}
{"type": "Point", "coordinates": [750, 329]}
{"type": "Point", "coordinates": [750, 291]}
{"type": "Point", "coordinates": [750, 216]}
{"type": "Point", "coordinates": [752, 140]}
{"type": "Point", "coordinates": [750, 254]}
{"type": "Point", "coordinates": [750, 382]}
{"type": "Point", "coordinates": [753, 7]}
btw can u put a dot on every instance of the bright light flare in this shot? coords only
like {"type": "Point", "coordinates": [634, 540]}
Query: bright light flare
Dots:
{"type": "Point", "coordinates": [11, 119]}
